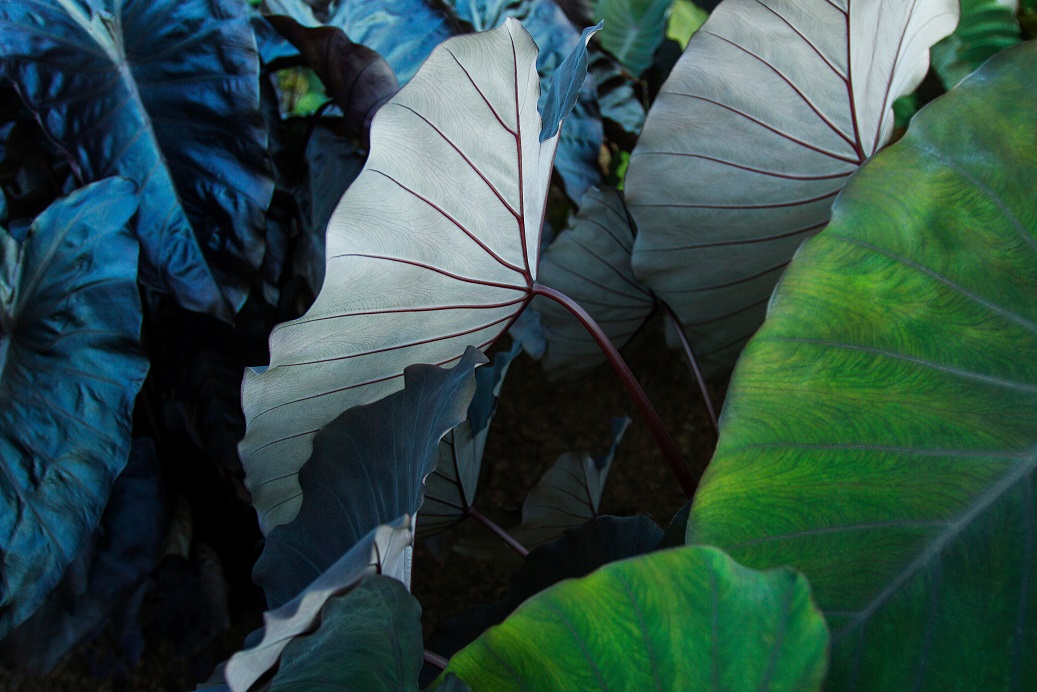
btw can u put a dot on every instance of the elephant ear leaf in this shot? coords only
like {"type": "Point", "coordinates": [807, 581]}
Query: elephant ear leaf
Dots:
{"type": "Point", "coordinates": [432, 248]}
{"type": "Point", "coordinates": [770, 109]}
{"type": "Point", "coordinates": [894, 385]}
{"type": "Point", "coordinates": [986, 28]}
{"type": "Point", "coordinates": [683, 619]}
{"type": "Point", "coordinates": [368, 466]}
{"type": "Point", "coordinates": [165, 93]}
{"type": "Point", "coordinates": [70, 369]}
{"type": "Point", "coordinates": [590, 263]}
{"type": "Point", "coordinates": [633, 30]}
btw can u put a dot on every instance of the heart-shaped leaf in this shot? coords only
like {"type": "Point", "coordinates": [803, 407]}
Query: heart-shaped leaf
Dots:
{"type": "Point", "coordinates": [165, 93]}
{"type": "Point", "coordinates": [682, 619]}
{"type": "Point", "coordinates": [633, 30]}
{"type": "Point", "coordinates": [986, 27]}
{"type": "Point", "coordinates": [433, 247]}
{"type": "Point", "coordinates": [70, 369]}
{"type": "Point", "coordinates": [450, 489]}
{"type": "Point", "coordinates": [590, 263]}
{"type": "Point", "coordinates": [368, 639]}
{"type": "Point", "coordinates": [368, 466]}
{"type": "Point", "coordinates": [569, 494]}
{"type": "Point", "coordinates": [385, 550]}
{"type": "Point", "coordinates": [880, 431]}
{"type": "Point", "coordinates": [770, 109]}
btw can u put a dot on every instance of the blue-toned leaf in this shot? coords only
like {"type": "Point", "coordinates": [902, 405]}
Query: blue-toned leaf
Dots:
{"type": "Point", "coordinates": [580, 139]}
{"type": "Point", "coordinates": [578, 552]}
{"type": "Point", "coordinates": [633, 30]}
{"type": "Point", "coordinates": [368, 639]}
{"type": "Point", "coordinates": [568, 494]}
{"type": "Point", "coordinates": [70, 369]}
{"type": "Point", "coordinates": [101, 581]}
{"type": "Point", "coordinates": [590, 263]}
{"type": "Point", "coordinates": [616, 96]}
{"type": "Point", "coordinates": [404, 32]}
{"type": "Point", "coordinates": [450, 489]}
{"type": "Point", "coordinates": [368, 466]}
{"type": "Point", "coordinates": [385, 550]}
{"type": "Point", "coordinates": [166, 93]}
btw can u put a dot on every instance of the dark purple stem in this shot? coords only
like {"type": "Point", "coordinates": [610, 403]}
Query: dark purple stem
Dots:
{"type": "Point", "coordinates": [501, 533]}
{"type": "Point", "coordinates": [436, 660]}
{"type": "Point", "coordinates": [644, 405]}
{"type": "Point", "coordinates": [693, 364]}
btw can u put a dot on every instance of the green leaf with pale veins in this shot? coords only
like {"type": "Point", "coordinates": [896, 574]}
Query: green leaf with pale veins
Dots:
{"type": "Point", "coordinates": [880, 433]}
{"type": "Point", "coordinates": [684, 619]}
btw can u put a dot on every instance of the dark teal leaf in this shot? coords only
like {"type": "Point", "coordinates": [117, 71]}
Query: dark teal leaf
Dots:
{"type": "Point", "coordinates": [368, 466]}
{"type": "Point", "coordinates": [368, 639]}
{"type": "Point", "coordinates": [166, 93]}
{"type": "Point", "coordinates": [616, 96]}
{"type": "Point", "coordinates": [404, 32]}
{"type": "Point", "coordinates": [633, 30]}
{"type": "Point", "coordinates": [70, 369]}
{"type": "Point", "coordinates": [577, 553]}
{"type": "Point", "coordinates": [566, 82]}
{"type": "Point", "coordinates": [102, 580]}
{"type": "Point", "coordinates": [450, 489]}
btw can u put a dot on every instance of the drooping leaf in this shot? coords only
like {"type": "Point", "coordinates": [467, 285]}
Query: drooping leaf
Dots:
{"type": "Point", "coordinates": [404, 32]}
{"type": "Point", "coordinates": [569, 494]}
{"type": "Point", "coordinates": [101, 581]}
{"type": "Point", "coordinates": [368, 465]}
{"type": "Point", "coordinates": [431, 249]}
{"type": "Point", "coordinates": [578, 552]}
{"type": "Point", "coordinates": [633, 30]}
{"type": "Point", "coordinates": [986, 27]}
{"type": "Point", "coordinates": [385, 550]}
{"type": "Point", "coordinates": [357, 78]}
{"type": "Point", "coordinates": [880, 431]}
{"type": "Point", "coordinates": [770, 109]}
{"type": "Point", "coordinates": [616, 96]}
{"type": "Point", "coordinates": [70, 369]}
{"type": "Point", "coordinates": [165, 93]}
{"type": "Point", "coordinates": [590, 263]}
{"type": "Point", "coordinates": [450, 489]}
{"type": "Point", "coordinates": [580, 141]}
{"type": "Point", "coordinates": [682, 619]}
{"type": "Point", "coordinates": [368, 639]}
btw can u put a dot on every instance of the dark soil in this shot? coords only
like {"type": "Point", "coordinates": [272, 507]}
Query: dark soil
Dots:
{"type": "Point", "coordinates": [536, 422]}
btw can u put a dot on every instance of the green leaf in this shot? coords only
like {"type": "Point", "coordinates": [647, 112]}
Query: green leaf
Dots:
{"type": "Point", "coordinates": [880, 433]}
{"type": "Point", "coordinates": [433, 248]}
{"type": "Point", "coordinates": [986, 27]}
{"type": "Point", "coordinates": [633, 30]}
{"type": "Point", "coordinates": [166, 93]}
{"type": "Point", "coordinates": [681, 619]}
{"type": "Point", "coordinates": [368, 639]}
{"type": "Point", "coordinates": [685, 19]}
{"type": "Point", "coordinates": [70, 370]}
{"type": "Point", "coordinates": [766, 114]}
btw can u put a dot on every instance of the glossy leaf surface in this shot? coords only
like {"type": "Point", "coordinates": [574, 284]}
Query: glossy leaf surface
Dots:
{"type": "Point", "coordinates": [70, 369]}
{"type": "Point", "coordinates": [368, 466]}
{"type": "Point", "coordinates": [385, 550]}
{"type": "Point", "coordinates": [431, 249]}
{"type": "Point", "coordinates": [368, 639]}
{"type": "Point", "coordinates": [880, 433]}
{"type": "Point", "coordinates": [450, 489]}
{"type": "Point", "coordinates": [769, 110]}
{"type": "Point", "coordinates": [165, 93]}
{"type": "Point", "coordinates": [683, 619]}
{"type": "Point", "coordinates": [590, 263]}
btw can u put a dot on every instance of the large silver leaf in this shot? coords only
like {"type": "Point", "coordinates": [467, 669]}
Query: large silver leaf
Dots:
{"type": "Point", "coordinates": [770, 109]}
{"type": "Point", "coordinates": [434, 247]}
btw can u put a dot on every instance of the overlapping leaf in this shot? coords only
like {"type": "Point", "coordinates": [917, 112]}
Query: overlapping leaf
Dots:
{"type": "Point", "coordinates": [385, 550]}
{"type": "Point", "coordinates": [70, 369]}
{"type": "Point", "coordinates": [986, 27]}
{"type": "Point", "coordinates": [683, 619]}
{"type": "Point", "coordinates": [880, 433]}
{"type": "Point", "coordinates": [368, 466]}
{"type": "Point", "coordinates": [434, 247]}
{"type": "Point", "coordinates": [770, 109]}
{"type": "Point", "coordinates": [165, 93]}
{"type": "Point", "coordinates": [633, 30]}
{"type": "Point", "coordinates": [590, 263]}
